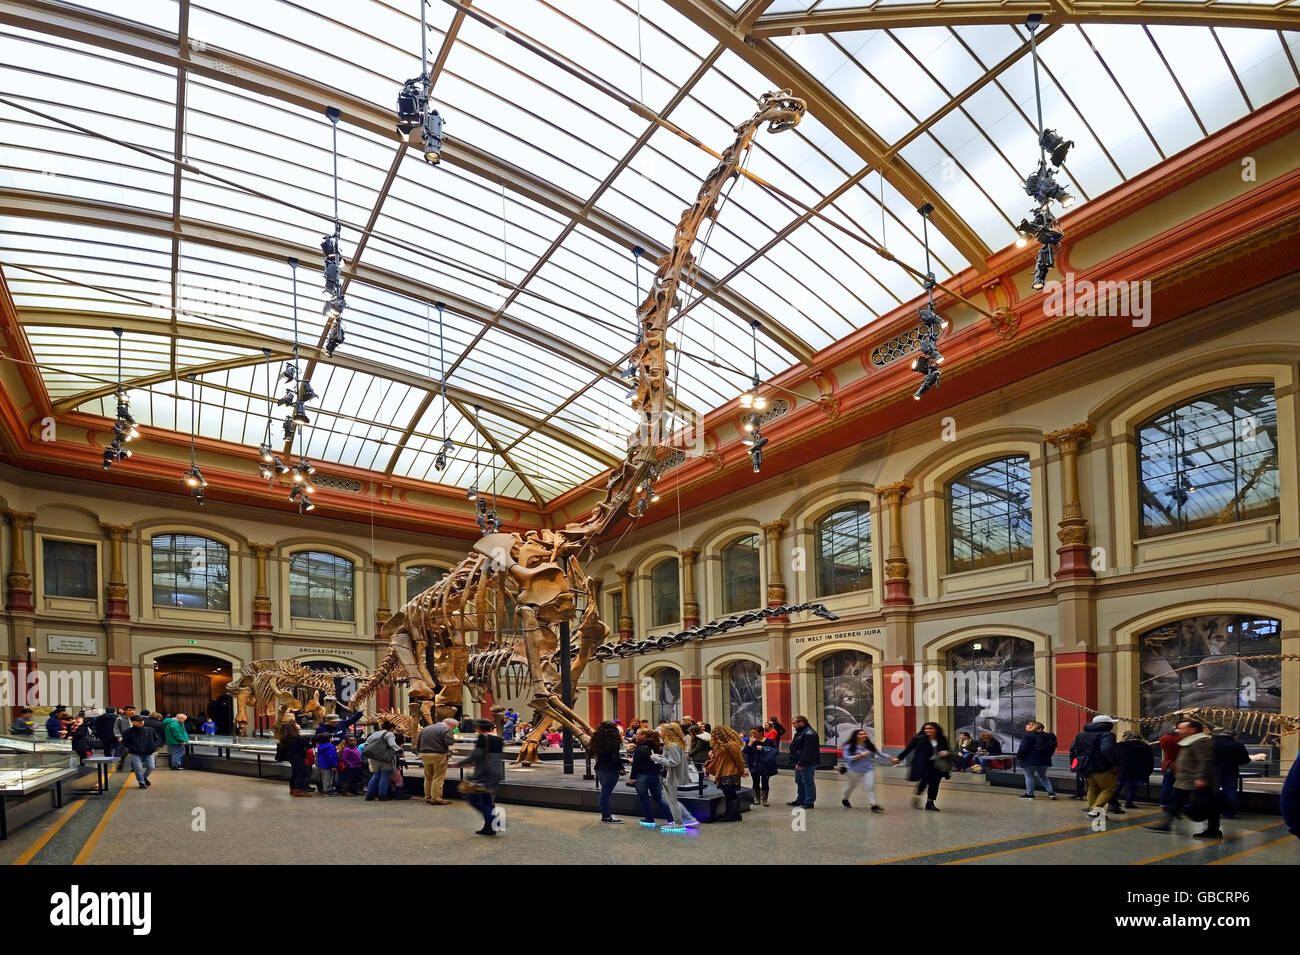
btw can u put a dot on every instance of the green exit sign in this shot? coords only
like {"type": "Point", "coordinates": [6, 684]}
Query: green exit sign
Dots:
{"type": "Point", "coordinates": [193, 643]}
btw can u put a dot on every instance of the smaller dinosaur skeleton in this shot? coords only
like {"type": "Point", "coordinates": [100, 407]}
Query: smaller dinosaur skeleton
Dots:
{"type": "Point", "coordinates": [273, 687]}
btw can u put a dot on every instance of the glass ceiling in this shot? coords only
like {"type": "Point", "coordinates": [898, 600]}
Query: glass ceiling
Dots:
{"type": "Point", "coordinates": [552, 172]}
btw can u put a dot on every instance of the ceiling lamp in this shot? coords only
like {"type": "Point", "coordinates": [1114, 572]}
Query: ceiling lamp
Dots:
{"type": "Point", "coordinates": [413, 110]}
{"type": "Point", "coordinates": [756, 451]}
{"type": "Point", "coordinates": [751, 398]}
{"type": "Point", "coordinates": [927, 362]}
{"type": "Point", "coordinates": [472, 493]}
{"type": "Point", "coordinates": [1041, 184]}
{"type": "Point", "coordinates": [194, 478]}
{"type": "Point", "coordinates": [440, 461]}
{"type": "Point", "coordinates": [331, 248]}
{"type": "Point", "coordinates": [124, 429]}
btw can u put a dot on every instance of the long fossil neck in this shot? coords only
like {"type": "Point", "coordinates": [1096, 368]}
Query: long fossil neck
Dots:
{"type": "Point", "coordinates": [624, 489]}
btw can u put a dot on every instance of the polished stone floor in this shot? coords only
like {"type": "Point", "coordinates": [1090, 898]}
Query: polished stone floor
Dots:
{"type": "Point", "coordinates": [195, 817]}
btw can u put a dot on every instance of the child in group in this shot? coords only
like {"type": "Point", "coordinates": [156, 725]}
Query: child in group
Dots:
{"type": "Point", "coordinates": [327, 765]}
{"type": "Point", "coordinates": [553, 738]}
{"type": "Point", "coordinates": [209, 728]}
{"type": "Point", "coordinates": [352, 766]}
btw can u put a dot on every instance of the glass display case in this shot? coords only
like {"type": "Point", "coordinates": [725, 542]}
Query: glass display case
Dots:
{"type": "Point", "coordinates": [21, 773]}
{"type": "Point", "coordinates": [34, 744]}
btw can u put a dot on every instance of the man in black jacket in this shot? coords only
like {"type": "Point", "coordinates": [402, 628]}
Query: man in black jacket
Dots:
{"type": "Point", "coordinates": [140, 744]}
{"type": "Point", "coordinates": [1229, 757]}
{"type": "Point", "coordinates": [1094, 749]}
{"type": "Point", "coordinates": [805, 754]}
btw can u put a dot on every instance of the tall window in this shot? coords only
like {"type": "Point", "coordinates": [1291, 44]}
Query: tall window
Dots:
{"type": "Point", "coordinates": [847, 696]}
{"type": "Point", "coordinates": [743, 683]}
{"type": "Point", "coordinates": [665, 593]}
{"type": "Point", "coordinates": [740, 575]}
{"type": "Point", "coordinates": [668, 695]}
{"type": "Point", "coordinates": [1195, 663]}
{"type": "Point", "coordinates": [70, 569]}
{"type": "Point", "coordinates": [1209, 461]}
{"type": "Point", "coordinates": [190, 571]}
{"type": "Point", "coordinates": [993, 688]}
{"type": "Point", "coordinates": [844, 550]}
{"type": "Point", "coordinates": [989, 516]}
{"type": "Point", "coordinates": [321, 586]}
{"type": "Point", "coordinates": [420, 578]}
{"type": "Point", "coordinates": [615, 609]}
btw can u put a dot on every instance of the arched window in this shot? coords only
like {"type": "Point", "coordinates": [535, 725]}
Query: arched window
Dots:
{"type": "Point", "coordinates": [743, 687]}
{"type": "Point", "coordinates": [668, 695]}
{"type": "Point", "coordinates": [665, 593]}
{"type": "Point", "coordinates": [992, 682]}
{"type": "Point", "coordinates": [989, 516]}
{"type": "Point", "coordinates": [847, 696]}
{"type": "Point", "coordinates": [844, 550]}
{"type": "Point", "coordinates": [321, 586]}
{"type": "Point", "coordinates": [740, 575]}
{"type": "Point", "coordinates": [70, 568]}
{"type": "Point", "coordinates": [1194, 663]}
{"type": "Point", "coordinates": [420, 577]}
{"type": "Point", "coordinates": [190, 571]}
{"type": "Point", "coordinates": [615, 609]}
{"type": "Point", "coordinates": [1209, 461]}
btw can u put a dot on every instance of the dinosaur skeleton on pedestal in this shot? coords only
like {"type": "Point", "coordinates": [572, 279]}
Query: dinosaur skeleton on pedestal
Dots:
{"type": "Point", "coordinates": [275, 687]}
{"type": "Point", "coordinates": [495, 615]}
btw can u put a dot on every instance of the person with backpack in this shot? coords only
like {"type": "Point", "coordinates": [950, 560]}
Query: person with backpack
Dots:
{"type": "Point", "coordinates": [1093, 755]}
{"type": "Point", "coordinates": [380, 750]}
{"type": "Point", "coordinates": [489, 764]}
{"type": "Point", "coordinates": [1035, 755]}
{"type": "Point", "coordinates": [1135, 764]}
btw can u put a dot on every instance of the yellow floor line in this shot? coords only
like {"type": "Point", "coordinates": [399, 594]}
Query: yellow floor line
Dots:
{"type": "Point", "coordinates": [99, 829]}
{"type": "Point", "coordinates": [1040, 845]}
{"type": "Point", "coordinates": [1246, 852]}
{"type": "Point", "coordinates": [40, 843]}
{"type": "Point", "coordinates": [1229, 838]}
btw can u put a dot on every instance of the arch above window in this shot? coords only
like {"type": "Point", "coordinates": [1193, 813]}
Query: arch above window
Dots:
{"type": "Point", "coordinates": [190, 571]}
{"type": "Point", "coordinates": [321, 586]}
{"type": "Point", "coordinates": [990, 516]}
{"type": "Point", "coordinates": [1208, 461]}
{"type": "Point", "coordinates": [740, 574]}
{"type": "Point", "coordinates": [842, 541]}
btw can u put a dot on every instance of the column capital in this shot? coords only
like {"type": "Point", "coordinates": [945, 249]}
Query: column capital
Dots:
{"type": "Point", "coordinates": [261, 550]}
{"type": "Point", "coordinates": [115, 531]}
{"type": "Point", "coordinates": [894, 492]}
{"type": "Point", "coordinates": [384, 566]}
{"type": "Point", "coordinates": [18, 518]}
{"type": "Point", "coordinates": [626, 573]}
{"type": "Point", "coordinates": [775, 528]}
{"type": "Point", "coordinates": [688, 554]}
{"type": "Point", "coordinates": [1071, 438]}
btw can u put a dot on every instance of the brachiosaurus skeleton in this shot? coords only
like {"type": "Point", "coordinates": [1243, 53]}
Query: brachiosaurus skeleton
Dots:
{"type": "Point", "coordinates": [537, 572]}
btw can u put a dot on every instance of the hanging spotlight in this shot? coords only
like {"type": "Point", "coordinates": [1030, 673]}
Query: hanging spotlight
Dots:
{"type": "Point", "coordinates": [756, 451]}
{"type": "Point", "coordinates": [288, 399]}
{"type": "Point", "coordinates": [300, 414]}
{"type": "Point", "coordinates": [413, 109]}
{"type": "Point", "coordinates": [306, 392]}
{"type": "Point", "coordinates": [124, 429]}
{"type": "Point", "coordinates": [280, 466]}
{"type": "Point", "coordinates": [929, 356]}
{"type": "Point", "coordinates": [194, 477]}
{"type": "Point", "coordinates": [931, 380]}
{"type": "Point", "coordinates": [264, 451]}
{"type": "Point", "coordinates": [290, 371]}
{"type": "Point", "coordinates": [751, 398]}
{"type": "Point", "coordinates": [1056, 144]}
{"type": "Point", "coordinates": [265, 470]}
{"type": "Point", "coordinates": [927, 361]}
{"type": "Point", "coordinates": [440, 462]}
{"type": "Point", "coordinates": [289, 429]}
{"type": "Point", "coordinates": [472, 493]}
{"type": "Point", "coordinates": [331, 248]}
{"type": "Point", "coordinates": [198, 496]}
{"type": "Point", "coordinates": [1042, 265]}
{"type": "Point", "coordinates": [335, 337]}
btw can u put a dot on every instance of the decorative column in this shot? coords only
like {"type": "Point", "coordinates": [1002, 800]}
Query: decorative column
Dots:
{"type": "Point", "coordinates": [18, 582]}
{"type": "Point", "coordinates": [261, 595]}
{"type": "Point", "coordinates": [1073, 534]}
{"type": "Point", "coordinates": [897, 587]}
{"type": "Point", "coordinates": [382, 611]}
{"type": "Point", "coordinates": [772, 531]}
{"type": "Point", "coordinates": [117, 592]}
{"type": "Point", "coordinates": [625, 619]}
{"type": "Point", "coordinates": [690, 605]}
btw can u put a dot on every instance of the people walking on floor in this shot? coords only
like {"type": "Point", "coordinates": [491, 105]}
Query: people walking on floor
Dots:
{"type": "Point", "coordinates": [727, 767]}
{"type": "Point", "coordinates": [805, 755]}
{"type": "Point", "coordinates": [760, 756]}
{"type": "Point", "coordinates": [931, 763]}
{"type": "Point", "coordinates": [380, 750]}
{"type": "Point", "coordinates": [104, 724]}
{"type": "Point", "coordinates": [489, 764]}
{"type": "Point", "coordinates": [79, 733]}
{"type": "Point", "coordinates": [1229, 756]}
{"type": "Point", "coordinates": [607, 747]}
{"type": "Point", "coordinates": [434, 746]}
{"type": "Point", "coordinates": [1094, 749]}
{"type": "Point", "coordinates": [120, 726]}
{"type": "Point", "coordinates": [352, 767]}
{"type": "Point", "coordinates": [646, 775]}
{"type": "Point", "coordinates": [676, 774]}
{"type": "Point", "coordinates": [860, 755]}
{"type": "Point", "coordinates": [139, 743]}
{"type": "Point", "coordinates": [1135, 765]}
{"type": "Point", "coordinates": [292, 748]}
{"type": "Point", "coordinates": [326, 767]}
{"type": "Point", "coordinates": [1169, 757]}
{"type": "Point", "coordinates": [1035, 755]}
{"type": "Point", "coordinates": [175, 736]}
{"type": "Point", "coordinates": [1195, 782]}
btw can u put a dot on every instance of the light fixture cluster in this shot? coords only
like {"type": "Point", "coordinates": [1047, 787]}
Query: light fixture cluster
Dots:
{"type": "Point", "coordinates": [331, 248]}
{"type": "Point", "coordinates": [755, 404]}
{"type": "Point", "coordinates": [646, 493]}
{"type": "Point", "coordinates": [489, 522]}
{"type": "Point", "coordinates": [193, 477]}
{"type": "Point", "coordinates": [124, 429]}
{"type": "Point", "coordinates": [440, 460]}
{"type": "Point", "coordinates": [303, 486]}
{"type": "Point", "coordinates": [413, 109]}
{"type": "Point", "coordinates": [1041, 185]}
{"type": "Point", "coordinates": [927, 361]}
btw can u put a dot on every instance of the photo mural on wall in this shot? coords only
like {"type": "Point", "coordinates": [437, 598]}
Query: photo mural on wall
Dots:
{"type": "Point", "coordinates": [667, 696]}
{"type": "Point", "coordinates": [1002, 671]}
{"type": "Point", "coordinates": [744, 688]}
{"type": "Point", "coordinates": [848, 697]}
{"type": "Point", "coordinates": [1194, 662]}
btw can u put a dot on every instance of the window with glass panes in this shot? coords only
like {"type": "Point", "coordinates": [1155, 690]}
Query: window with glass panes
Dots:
{"type": "Point", "coordinates": [615, 610]}
{"type": "Point", "coordinates": [990, 521]}
{"type": "Point", "coordinates": [743, 688]}
{"type": "Point", "coordinates": [843, 541]}
{"type": "Point", "coordinates": [70, 568]}
{"type": "Point", "coordinates": [190, 571]}
{"type": "Point", "coordinates": [321, 586]}
{"type": "Point", "coordinates": [740, 585]}
{"type": "Point", "coordinates": [1209, 461]}
{"type": "Point", "coordinates": [420, 577]}
{"type": "Point", "coordinates": [668, 696]}
{"type": "Point", "coordinates": [665, 593]}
